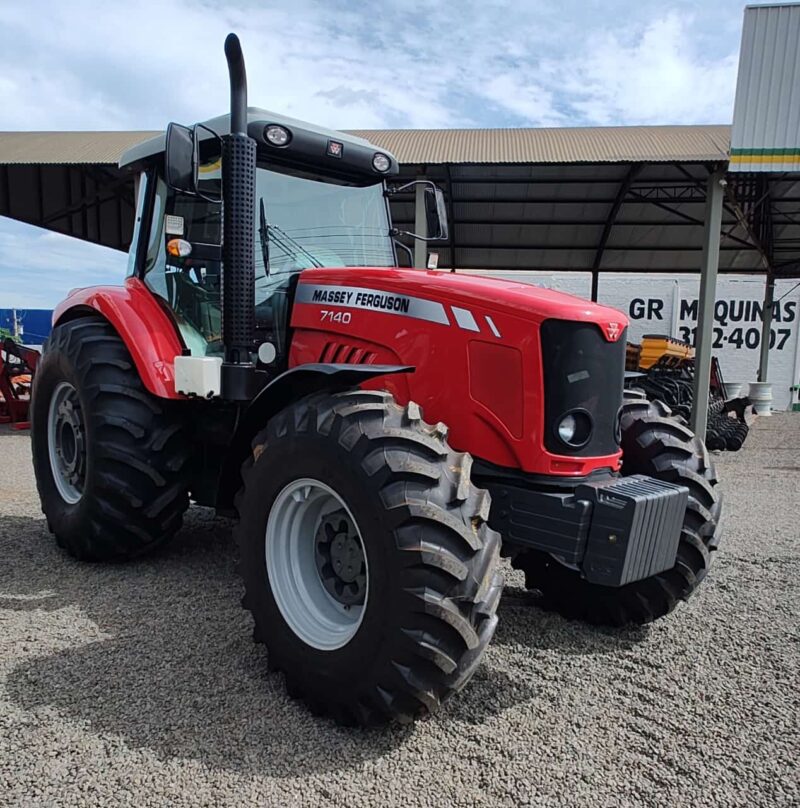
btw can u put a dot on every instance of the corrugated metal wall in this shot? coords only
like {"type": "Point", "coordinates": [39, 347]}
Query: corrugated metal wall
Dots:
{"type": "Point", "coordinates": [766, 117]}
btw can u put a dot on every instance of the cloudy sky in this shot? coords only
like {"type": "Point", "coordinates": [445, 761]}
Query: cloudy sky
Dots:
{"type": "Point", "coordinates": [416, 63]}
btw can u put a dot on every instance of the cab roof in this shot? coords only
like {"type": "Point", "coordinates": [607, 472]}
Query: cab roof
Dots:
{"type": "Point", "coordinates": [221, 125]}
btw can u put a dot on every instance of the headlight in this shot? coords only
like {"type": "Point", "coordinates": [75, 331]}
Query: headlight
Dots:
{"type": "Point", "coordinates": [575, 428]}
{"type": "Point", "coordinates": [567, 427]}
{"type": "Point", "coordinates": [277, 135]}
{"type": "Point", "coordinates": [380, 162]}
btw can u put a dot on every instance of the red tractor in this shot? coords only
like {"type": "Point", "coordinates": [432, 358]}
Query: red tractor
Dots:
{"type": "Point", "coordinates": [268, 358]}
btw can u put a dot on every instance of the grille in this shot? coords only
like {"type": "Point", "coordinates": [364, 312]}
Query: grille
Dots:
{"type": "Point", "coordinates": [582, 371]}
{"type": "Point", "coordinates": [342, 354]}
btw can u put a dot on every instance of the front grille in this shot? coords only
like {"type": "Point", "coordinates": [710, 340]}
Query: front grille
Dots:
{"type": "Point", "coordinates": [343, 354]}
{"type": "Point", "coordinates": [582, 371]}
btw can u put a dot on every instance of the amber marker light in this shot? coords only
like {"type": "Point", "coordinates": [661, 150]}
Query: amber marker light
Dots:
{"type": "Point", "coordinates": [179, 247]}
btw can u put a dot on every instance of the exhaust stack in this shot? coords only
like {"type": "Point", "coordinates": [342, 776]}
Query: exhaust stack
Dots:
{"type": "Point", "coordinates": [238, 248]}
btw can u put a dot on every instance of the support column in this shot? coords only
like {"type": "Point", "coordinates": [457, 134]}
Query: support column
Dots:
{"type": "Point", "coordinates": [420, 227]}
{"type": "Point", "coordinates": [708, 296]}
{"type": "Point", "coordinates": [766, 326]}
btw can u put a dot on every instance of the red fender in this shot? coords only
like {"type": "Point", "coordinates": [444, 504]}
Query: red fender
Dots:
{"type": "Point", "coordinates": [146, 329]}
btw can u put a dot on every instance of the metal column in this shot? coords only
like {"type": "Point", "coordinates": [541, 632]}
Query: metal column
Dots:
{"type": "Point", "coordinates": [766, 327]}
{"type": "Point", "coordinates": [420, 227]}
{"type": "Point", "coordinates": [708, 296]}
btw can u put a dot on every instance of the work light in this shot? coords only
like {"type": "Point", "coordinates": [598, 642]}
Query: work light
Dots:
{"type": "Point", "coordinates": [277, 135]}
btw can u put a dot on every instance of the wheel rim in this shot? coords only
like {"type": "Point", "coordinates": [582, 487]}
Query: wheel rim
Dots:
{"type": "Point", "coordinates": [316, 564]}
{"type": "Point", "coordinates": [66, 442]}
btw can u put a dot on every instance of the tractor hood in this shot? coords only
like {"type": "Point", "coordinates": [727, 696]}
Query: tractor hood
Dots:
{"type": "Point", "coordinates": [433, 293]}
{"type": "Point", "coordinates": [497, 361]}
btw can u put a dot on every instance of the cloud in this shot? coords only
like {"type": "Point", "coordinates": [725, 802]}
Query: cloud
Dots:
{"type": "Point", "coordinates": [393, 64]}
{"type": "Point", "coordinates": [398, 63]}
{"type": "Point", "coordinates": [657, 77]}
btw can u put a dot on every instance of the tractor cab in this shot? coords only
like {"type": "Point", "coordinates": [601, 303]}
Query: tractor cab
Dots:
{"type": "Point", "coordinates": [320, 201]}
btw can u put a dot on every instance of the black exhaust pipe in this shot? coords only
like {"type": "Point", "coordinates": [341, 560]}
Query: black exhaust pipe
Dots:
{"type": "Point", "coordinates": [238, 247]}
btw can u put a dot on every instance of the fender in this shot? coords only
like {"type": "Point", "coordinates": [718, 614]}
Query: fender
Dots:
{"type": "Point", "coordinates": [289, 386]}
{"type": "Point", "coordinates": [143, 324]}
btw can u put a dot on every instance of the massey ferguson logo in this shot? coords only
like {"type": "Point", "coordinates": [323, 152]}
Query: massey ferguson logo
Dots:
{"type": "Point", "coordinates": [613, 331]}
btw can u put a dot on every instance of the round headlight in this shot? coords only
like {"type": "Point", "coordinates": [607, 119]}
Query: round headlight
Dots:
{"type": "Point", "coordinates": [277, 135]}
{"type": "Point", "coordinates": [567, 427]}
{"type": "Point", "coordinates": [380, 162]}
{"type": "Point", "coordinates": [575, 428]}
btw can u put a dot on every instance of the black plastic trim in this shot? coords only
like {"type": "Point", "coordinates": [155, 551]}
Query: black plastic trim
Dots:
{"type": "Point", "coordinates": [485, 474]}
{"type": "Point", "coordinates": [581, 370]}
{"type": "Point", "coordinates": [308, 151]}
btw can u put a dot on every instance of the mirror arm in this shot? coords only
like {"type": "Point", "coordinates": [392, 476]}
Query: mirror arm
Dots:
{"type": "Point", "coordinates": [406, 249]}
{"type": "Point", "coordinates": [395, 232]}
{"type": "Point", "coordinates": [391, 190]}
{"type": "Point", "coordinates": [197, 192]}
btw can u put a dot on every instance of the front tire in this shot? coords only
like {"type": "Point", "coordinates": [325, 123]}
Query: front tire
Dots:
{"type": "Point", "coordinates": [110, 459]}
{"type": "Point", "coordinates": [352, 479]}
{"type": "Point", "coordinates": [657, 444]}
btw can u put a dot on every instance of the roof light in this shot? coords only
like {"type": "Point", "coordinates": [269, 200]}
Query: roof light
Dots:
{"type": "Point", "coordinates": [380, 162]}
{"type": "Point", "coordinates": [277, 135]}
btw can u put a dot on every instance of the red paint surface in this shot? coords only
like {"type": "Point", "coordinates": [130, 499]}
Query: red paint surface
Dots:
{"type": "Point", "coordinates": [494, 412]}
{"type": "Point", "coordinates": [508, 435]}
{"type": "Point", "coordinates": [145, 328]}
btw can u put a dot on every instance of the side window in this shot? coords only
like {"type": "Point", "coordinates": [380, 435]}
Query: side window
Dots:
{"type": "Point", "coordinates": [189, 284]}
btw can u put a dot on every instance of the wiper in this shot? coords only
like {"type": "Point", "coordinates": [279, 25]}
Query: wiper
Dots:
{"type": "Point", "coordinates": [263, 234]}
{"type": "Point", "coordinates": [283, 236]}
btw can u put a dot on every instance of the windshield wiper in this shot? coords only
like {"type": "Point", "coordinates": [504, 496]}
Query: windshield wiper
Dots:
{"type": "Point", "coordinates": [293, 243]}
{"type": "Point", "coordinates": [263, 234]}
{"type": "Point", "coordinates": [281, 239]}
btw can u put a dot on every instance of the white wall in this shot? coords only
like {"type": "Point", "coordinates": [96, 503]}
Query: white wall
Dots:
{"type": "Point", "coordinates": [661, 304]}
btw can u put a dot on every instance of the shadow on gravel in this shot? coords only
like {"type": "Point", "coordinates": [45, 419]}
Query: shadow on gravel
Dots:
{"type": "Point", "coordinates": [177, 672]}
{"type": "Point", "coordinates": [523, 622]}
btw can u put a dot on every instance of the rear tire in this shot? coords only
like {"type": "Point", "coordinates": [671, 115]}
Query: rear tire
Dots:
{"type": "Point", "coordinates": [657, 444]}
{"type": "Point", "coordinates": [110, 459]}
{"type": "Point", "coordinates": [430, 559]}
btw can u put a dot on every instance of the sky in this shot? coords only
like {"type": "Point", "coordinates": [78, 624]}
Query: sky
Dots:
{"type": "Point", "coordinates": [394, 64]}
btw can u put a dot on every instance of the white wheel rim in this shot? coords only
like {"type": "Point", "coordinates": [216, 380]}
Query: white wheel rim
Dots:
{"type": "Point", "coordinates": [66, 442]}
{"type": "Point", "coordinates": [307, 606]}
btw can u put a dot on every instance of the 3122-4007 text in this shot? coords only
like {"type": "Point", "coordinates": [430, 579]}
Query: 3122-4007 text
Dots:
{"type": "Point", "coordinates": [739, 337]}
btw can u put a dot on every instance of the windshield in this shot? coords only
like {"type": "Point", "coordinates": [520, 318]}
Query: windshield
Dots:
{"type": "Point", "coordinates": [312, 223]}
{"type": "Point", "coordinates": [303, 223]}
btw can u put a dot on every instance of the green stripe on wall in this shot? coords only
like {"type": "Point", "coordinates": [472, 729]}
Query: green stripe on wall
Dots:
{"type": "Point", "coordinates": [795, 152]}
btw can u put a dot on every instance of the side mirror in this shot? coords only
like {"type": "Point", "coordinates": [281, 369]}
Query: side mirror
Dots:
{"type": "Point", "coordinates": [184, 166]}
{"type": "Point", "coordinates": [436, 214]}
{"type": "Point", "coordinates": [435, 211]}
{"type": "Point", "coordinates": [180, 158]}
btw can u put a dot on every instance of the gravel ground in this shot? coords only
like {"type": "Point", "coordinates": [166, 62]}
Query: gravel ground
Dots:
{"type": "Point", "coordinates": [140, 685]}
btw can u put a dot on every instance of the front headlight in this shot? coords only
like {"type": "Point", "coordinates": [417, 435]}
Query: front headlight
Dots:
{"type": "Point", "coordinates": [566, 428]}
{"type": "Point", "coordinates": [575, 428]}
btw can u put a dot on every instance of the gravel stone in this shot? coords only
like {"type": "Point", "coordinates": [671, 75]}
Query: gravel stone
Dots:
{"type": "Point", "coordinates": [140, 685]}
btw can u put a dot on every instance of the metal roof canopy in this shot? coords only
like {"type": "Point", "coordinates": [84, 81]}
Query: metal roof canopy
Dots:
{"type": "Point", "coordinates": [589, 199]}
